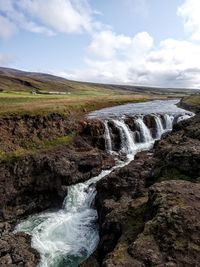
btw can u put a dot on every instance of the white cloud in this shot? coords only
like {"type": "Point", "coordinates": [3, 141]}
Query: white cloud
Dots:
{"type": "Point", "coordinates": [59, 15]}
{"type": "Point", "coordinates": [108, 44]}
{"type": "Point", "coordinates": [136, 60]}
{"type": "Point", "coordinates": [47, 16]}
{"type": "Point", "coordinates": [189, 11]}
{"type": "Point", "coordinates": [7, 28]}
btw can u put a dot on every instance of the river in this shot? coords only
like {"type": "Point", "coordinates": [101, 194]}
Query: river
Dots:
{"type": "Point", "coordinates": [65, 237]}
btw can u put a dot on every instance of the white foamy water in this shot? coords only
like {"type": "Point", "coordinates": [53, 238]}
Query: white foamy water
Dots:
{"type": "Point", "coordinates": [144, 131]}
{"type": "Point", "coordinates": [64, 238]}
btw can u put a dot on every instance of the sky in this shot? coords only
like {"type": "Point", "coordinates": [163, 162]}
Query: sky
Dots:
{"type": "Point", "coordinates": [136, 42]}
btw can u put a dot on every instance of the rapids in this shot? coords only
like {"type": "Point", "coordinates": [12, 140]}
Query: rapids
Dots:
{"type": "Point", "coordinates": [65, 237]}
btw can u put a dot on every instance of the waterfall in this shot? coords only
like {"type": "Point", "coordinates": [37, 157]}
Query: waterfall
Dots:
{"type": "Point", "coordinates": [144, 131]}
{"type": "Point", "coordinates": [183, 117]}
{"type": "Point", "coordinates": [68, 236]}
{"type": "Point", "coordinates": [168, 121]}
{"type": "Point", "coordinates": [159, 127]}
{"type": "Point", "coordinates": [127, 142]}
{"type": "Point", "coordinates": [108, 137]}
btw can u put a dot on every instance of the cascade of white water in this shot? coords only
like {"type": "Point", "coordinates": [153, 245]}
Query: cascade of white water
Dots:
{"type": "Point", "coordinates": [127, 142]}
{"type": "Point", "coordinates": [159, 127]}
{"type": "Point", "coordinates": [108, 138]}
{"type": "Point", "coordinates": [68, 236]}
{"type": "Point", "coordinates": [168, 121]}
{"type": "Point", "coordinates": [144, 131]}
{"type": "Point", "coordinates": [184, 117]}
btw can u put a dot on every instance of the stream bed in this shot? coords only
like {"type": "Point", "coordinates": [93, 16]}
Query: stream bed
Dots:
{"type": "Point", "coordinates": [66, 237]}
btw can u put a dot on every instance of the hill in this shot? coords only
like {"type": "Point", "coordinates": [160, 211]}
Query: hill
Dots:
{"type": "Point", "coordinates": [28, 92]}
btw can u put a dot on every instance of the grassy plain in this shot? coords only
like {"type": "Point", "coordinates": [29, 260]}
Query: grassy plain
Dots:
{"type": "Point", "coordinates": [14, 102]}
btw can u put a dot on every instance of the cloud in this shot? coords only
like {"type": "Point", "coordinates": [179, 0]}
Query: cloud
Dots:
{"type": "Point", "coordinates": [123, 59]}
{"type": "Point", "coordinates": [189, 12]}
{"type": "Point", "coordinates": [7, 28]}
{"type": "Point", "coordinates": [108, 44]}
{"type": "Point", "coordinates": [46, 16]}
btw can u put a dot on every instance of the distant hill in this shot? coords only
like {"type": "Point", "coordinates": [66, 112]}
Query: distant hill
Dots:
{"type": "Point", "coordinates": [17, 80]}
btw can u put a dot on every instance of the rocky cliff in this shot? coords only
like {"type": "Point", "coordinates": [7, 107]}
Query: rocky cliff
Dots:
{"type": "Point", "coordinates": [37, 181]}
{"type": "Point", "coordinates": [149, 211]}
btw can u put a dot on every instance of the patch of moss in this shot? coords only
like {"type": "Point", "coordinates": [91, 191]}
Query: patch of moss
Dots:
{"type": "Point", "coordinates": [134, 223]}
{"type": "Point", "coordinates": [119, 254]}
{"type": "Point", "coordinates": [31, 148]}
{"type": "Point", "coordinates": [198, 180]}
{"type": "Point", "coordinates": [170, 173]}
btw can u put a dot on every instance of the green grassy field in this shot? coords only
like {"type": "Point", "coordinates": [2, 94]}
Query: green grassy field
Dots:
{"type": "Point", "coordinates": [28, 93]}
{"type": "Point", "coordinates": [27, 103]}
{"type": "Point", "coordinates": [193, 100]}
{"type": "Point", "coordinates": [24, 92]}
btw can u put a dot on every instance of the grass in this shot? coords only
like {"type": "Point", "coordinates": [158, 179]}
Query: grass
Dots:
{"type": "Point", "coordinates": [31, 148]}
{"type": "Point", "coordinates": [79, 102]}
{"type": "Point", "coordinates": [192, 101]}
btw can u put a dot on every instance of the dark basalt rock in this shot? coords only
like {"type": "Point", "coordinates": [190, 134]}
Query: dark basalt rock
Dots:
{"type": "Point", "coordinates": [33, 183]}
{"type": "Point", "coordinates": [159, 226]}
{"type": "Point", "coordinates": [178, 155]}
{"type": "Point", "coordinates": [163, 231]}
{"type": "Point", "coordinates": [115, 135]}
{"type": "Point", "coordinates": [116, 195]}
{"type": "Point", "coordinates": [38, 182]}
{"type": "Point", "coordinates": [21, 131]}
{"type": "Point", "coordinates": [150, 122]}
{"type": "Point", "coordinates": [171, 235]}
{"type": "Point", "coordinates": [15, 249]}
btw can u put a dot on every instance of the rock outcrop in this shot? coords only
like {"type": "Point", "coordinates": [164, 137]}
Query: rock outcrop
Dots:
{"type": "Point", "coordinates": [24, 131]}
{"type": "Point", "coordinates": [35, 182]}
{"type": "Point", "coordinates": [161, 229]}
{"type": "Point", "coordinates": [149, 211]}
{"type": "Point", "coordinates": [148, 214]}
{"type": "Point", "coordinates": [178, 155]}
{"type": "Point", "coordinates": [15, 249]}
{"type": "Point", "coordinates": [38, 182]}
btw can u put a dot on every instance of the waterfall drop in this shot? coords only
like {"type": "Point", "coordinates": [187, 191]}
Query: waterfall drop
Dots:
{"type": "Point", "coordinates": [68, 236]}
{"type": "Point", "coordinates": [168, 121]}
{"type": "Point", "coordinates": [159, 127]}
{"type": "Point", "coordinates": [144, 131]}
{"type": "Point", "coordinates": [108, 140]}
{"type": "Point", "coordinates": [127, 142]}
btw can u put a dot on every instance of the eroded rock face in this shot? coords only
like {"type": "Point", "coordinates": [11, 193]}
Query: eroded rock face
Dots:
{"type": "Point", "coordinates": [15, 249]}
{"type": "Point", "coordinates": [178, 155]}
{"type": "Point", "coordinates": [117, 194]}
{"type": "Point", "coordinates": [23, 131]}
{"type": "Point", "coordinates": [171, 235]}
{"type": "Point", "coordinates": [38, 182]}
{"type": "Point", "coordinates": [160, 225]}
{"type": "Point", "coordinates": [161, 230]}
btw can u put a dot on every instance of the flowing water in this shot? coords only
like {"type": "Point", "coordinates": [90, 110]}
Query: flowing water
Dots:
{"type": "Point", "coordinates": [156, 107]}
{"type": "Point", "coordinates": [66, 237]}
{"type": "Point", "coordinates": [144, 131]}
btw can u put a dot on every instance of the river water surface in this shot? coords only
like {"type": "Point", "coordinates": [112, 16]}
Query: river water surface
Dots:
{"type": "Point", "coordinates": [64, 238]}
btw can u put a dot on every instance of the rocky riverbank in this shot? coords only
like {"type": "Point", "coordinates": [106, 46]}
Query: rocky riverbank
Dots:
{"type": "Point", "coordinates": [149, 211]}
{"type": "Point", "coordinates": [145, 218]}
{"type": "Point", "coordinates": [38, 181]}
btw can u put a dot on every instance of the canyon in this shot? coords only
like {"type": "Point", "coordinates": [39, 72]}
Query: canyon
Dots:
{"type": "Point", "coordinates": [144, 218]}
